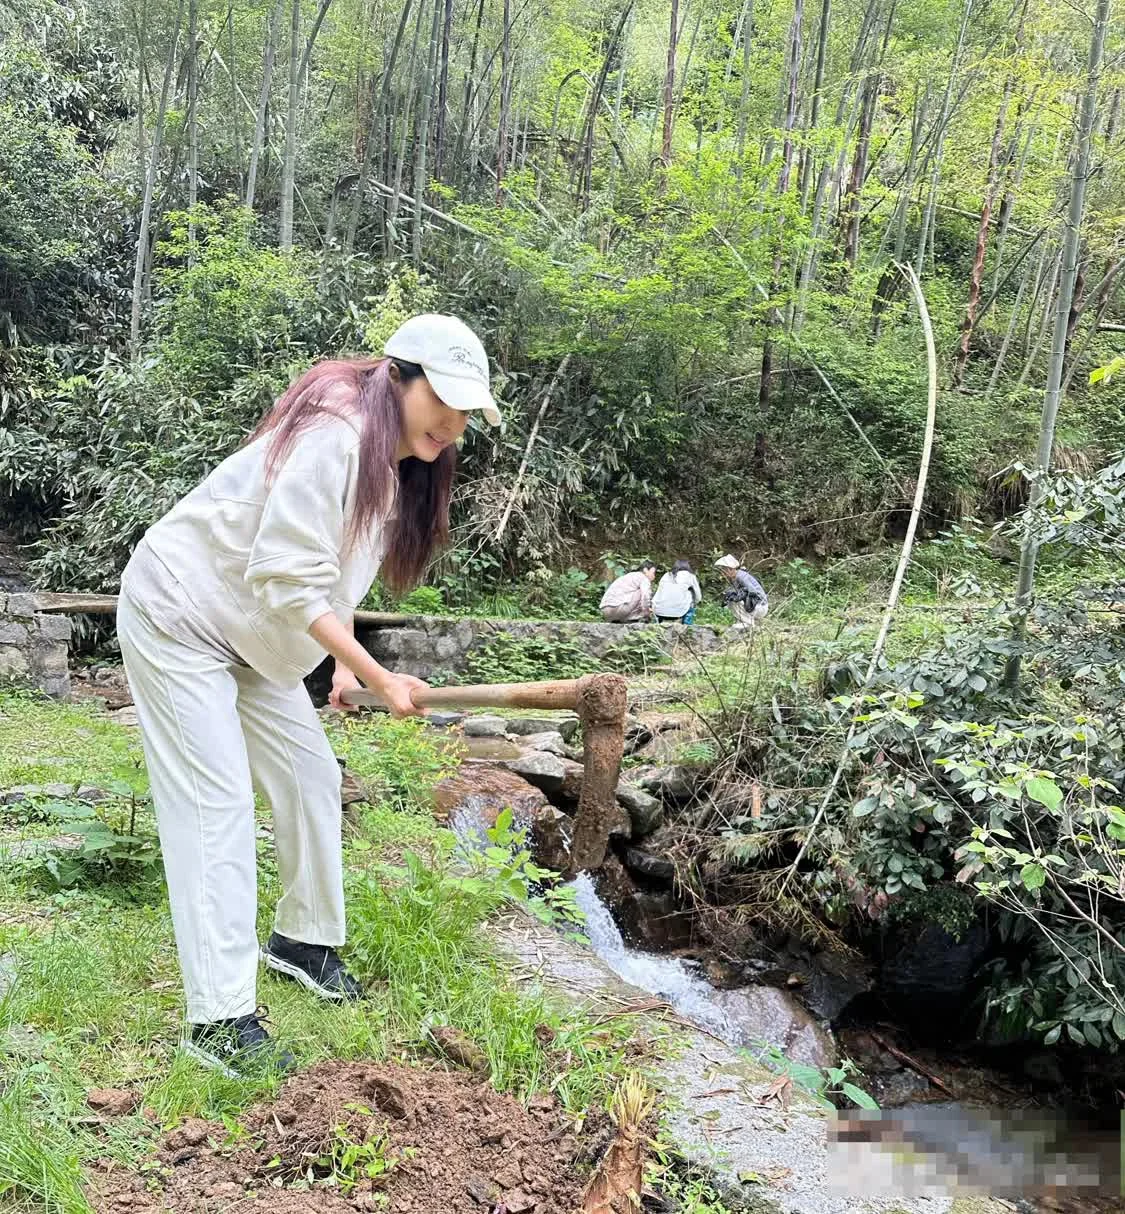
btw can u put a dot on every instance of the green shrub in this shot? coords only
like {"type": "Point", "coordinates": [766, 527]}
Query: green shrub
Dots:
{"type": "Point", "coordinates": [509, 659]}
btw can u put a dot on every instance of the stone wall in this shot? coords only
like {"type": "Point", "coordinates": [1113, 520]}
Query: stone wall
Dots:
{"type": "Point", "coordinates": [430, 645]}
{"type": "Point", "coordinates": [437, 643]}
{"type": "Point", "coordinates": [33, 646]}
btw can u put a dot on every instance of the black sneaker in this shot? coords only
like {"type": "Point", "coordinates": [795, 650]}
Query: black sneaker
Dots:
{"type": "Point", "coordinates": [313, 965]}
{"type": "Point", "coordinates": [237, 1048]}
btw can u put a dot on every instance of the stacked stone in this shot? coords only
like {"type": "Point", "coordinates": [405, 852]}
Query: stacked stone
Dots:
{"type": "Point", "coordinates": [33, 646]}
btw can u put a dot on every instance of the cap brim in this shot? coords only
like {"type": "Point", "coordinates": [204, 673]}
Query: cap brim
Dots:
{"type": "Point", "coordinates": [465, 394]}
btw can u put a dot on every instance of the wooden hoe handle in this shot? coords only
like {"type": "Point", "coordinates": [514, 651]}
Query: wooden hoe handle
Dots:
{"type": "Point", "coordinates": [557, 693]}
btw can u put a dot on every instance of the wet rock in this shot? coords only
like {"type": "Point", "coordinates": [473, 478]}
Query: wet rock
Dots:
{"type": "Point", "coordinates": [443, 720]}
{"type": "Point", "coordinates": [550, 741]}
{"type": "Point", "coordinates": [651, 921]}
{"type": "Point", "coordinates": [832, 981]}
{"type": "Point", "coordinates": [485, 727]}
{"type": "Point", "coordinates": [645, 811]}
{"type": "Point", "coordinates": [613, 884]}
{"type": "Point", "coordinates": [480, 791]}
{"type": "Point", "coordinates": [724, 975]}
{"type": "Point", "coordinates": [928, 979]}
{"type": "Point", "coordinates": [113, 1102]}
{"type": "Point", "coordinates": [899, 1088]}
{"type": "Point", "coordinates": [650, 865]}
{"type": "Point", "coordinates": [522, 727]}
{"type": "Point", "coordinates": [552, 834]}
{"type": "Point", "coordinates": [674, 784]}
{"type": "Point", "coordinates": [537, 767]}
{"type": "Point", "coordinates": [764, 1013]}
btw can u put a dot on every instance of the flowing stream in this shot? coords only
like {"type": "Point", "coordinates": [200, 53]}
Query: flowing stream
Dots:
{"type": "Point", "coordinates": [668, 978]}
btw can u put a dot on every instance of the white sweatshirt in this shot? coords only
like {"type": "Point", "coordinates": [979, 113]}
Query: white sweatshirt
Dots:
{"type": "Point", "coordinates": [257, 564]}
{"type": "Point", "coordinates": [676, 594]}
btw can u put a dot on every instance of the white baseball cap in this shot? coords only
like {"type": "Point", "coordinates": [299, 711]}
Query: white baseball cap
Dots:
{"type": "Point", "coordinates": [728, 562]}
{"type": "Point", "coordinates": [453, 358]}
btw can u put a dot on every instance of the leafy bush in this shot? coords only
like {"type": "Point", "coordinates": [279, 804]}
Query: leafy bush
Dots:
{"type": "Point", "coordinates": [505, 658]}
{"type": "Point", "coordinates": [951, 781]}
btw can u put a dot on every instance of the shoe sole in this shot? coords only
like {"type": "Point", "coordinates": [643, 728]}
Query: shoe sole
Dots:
{"type": "Point", "coordinates": [205, 1059]}
{"type": "Point", "coordinates": [299, 975]}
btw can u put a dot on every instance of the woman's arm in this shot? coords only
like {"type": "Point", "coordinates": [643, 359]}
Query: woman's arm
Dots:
{"type": "Point", "coordinates": [395, 690]}
{"type": "Point", "coordinates": [343, 679]}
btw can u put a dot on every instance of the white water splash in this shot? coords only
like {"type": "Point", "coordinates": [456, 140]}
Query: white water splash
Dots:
{"type": "Point", "coordinates": [668, 978]}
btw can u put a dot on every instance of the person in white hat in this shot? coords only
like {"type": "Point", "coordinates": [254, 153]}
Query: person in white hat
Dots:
{"type": "Point", "coordinates": [746, 598]}
{"type": "Point", "coordinates": [228, 602]}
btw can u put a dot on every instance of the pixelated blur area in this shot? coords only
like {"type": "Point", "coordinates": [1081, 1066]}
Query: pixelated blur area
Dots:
{"type": "Point", "coordinates": [930, 1150]}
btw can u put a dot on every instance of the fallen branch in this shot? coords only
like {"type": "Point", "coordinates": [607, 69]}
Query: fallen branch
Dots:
{"type": "Point", "coordinates": [912, 1063]}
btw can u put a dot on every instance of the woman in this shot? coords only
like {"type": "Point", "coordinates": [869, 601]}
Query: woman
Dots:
{"type": "Point", "coordinates": [628, 599]}
{"type": "Point", "coordinates": [228, 602]}
{"type": "Point", "coordinates": [677, 595]}
{"type": "Point", "coordinates": [746, 598]}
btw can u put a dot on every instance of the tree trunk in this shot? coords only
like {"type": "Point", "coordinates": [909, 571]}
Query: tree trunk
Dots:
{"type": "Point", "coordinates": [422, 137]}
{"type": "Point", "coordinates": [885, 289]}
{"type": "Point", "coordinates": [443, 89]}
{"type": "Point", "coordinates": [992, 184]}
{"type": "Point", "coordinates": [1009, 333]}
{"type": "Point", "coordinates": [193, 119]}
{"type": "Point", "coordinates": [391, 236]}
{"type": "Point", "coordinates": [773, 319]}
{"type": "Point", "coordinates": [1072, 236]}
{"type": "Point", "coordinates": [814, 110]}
{"type": "Point", "coordinates": [378, 111]}
{"type": "Point", "coordinates": [289, 162]}
{"type": "Point", "coordinates": [1034, 344]}
{"type": "Point", "coordinates": [234, 106]}
{"type": "Point", "coordinates": [591, 124]}
{"type": "Point", "coordinates": [744, 99]}
{"type": "Point", "coordinates": [939, 142]}
{"type": "Point", "coordinates": [505, 102]}
{"type": "Point", "coordinates": [269, 57]}
{"type": "Point", "coordinates": [1007, 204]}
{"type": "Point", "coordinates": [142, 52]}
{"type": "Point", "coordinates": [670, 84]}
{"type": "Point", "coordinates": [467, 119]}
{"type": "Point", "coordinates": [808, 269]}
{"type": "Point", "coordinates": [150, 186]}
{"type": "Point", "coordinates": [310, 42]}
{"type": "Point", "coordinates": [851, 218]}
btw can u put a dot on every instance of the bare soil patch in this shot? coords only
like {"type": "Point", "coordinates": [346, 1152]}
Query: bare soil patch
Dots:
{"type": "Point", "coordinates": [345, 1136]}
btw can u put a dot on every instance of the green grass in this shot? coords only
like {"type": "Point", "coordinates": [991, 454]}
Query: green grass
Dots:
{"type": "Point", "coordinates": [97, 1000]}
{"type": "Point", "coordinates": [45, 742]}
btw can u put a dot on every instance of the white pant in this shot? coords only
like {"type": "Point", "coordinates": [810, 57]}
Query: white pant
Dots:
{"type": "Point", "coordinates": [744, 618]}
{"type": "Point", "coordinates": [214, 731]}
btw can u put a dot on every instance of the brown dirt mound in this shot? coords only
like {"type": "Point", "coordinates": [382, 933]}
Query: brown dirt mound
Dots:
{"type": "Point", "coordinates": [453, 1144]}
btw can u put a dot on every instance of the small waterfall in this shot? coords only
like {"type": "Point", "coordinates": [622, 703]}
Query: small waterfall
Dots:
{"type": "Point", "coordinates": [668, 978]}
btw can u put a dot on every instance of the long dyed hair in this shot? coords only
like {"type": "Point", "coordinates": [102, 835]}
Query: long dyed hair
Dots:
{"type": "Point", "coordinates": [415, 492]}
